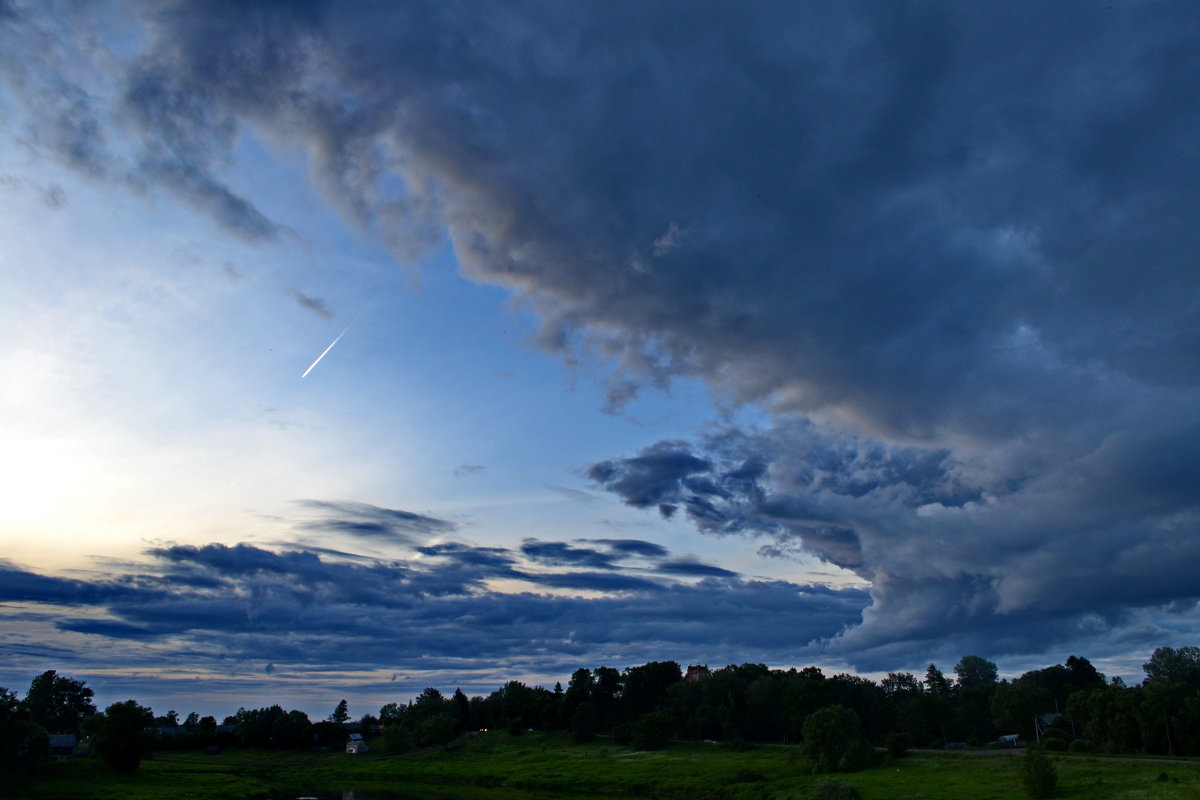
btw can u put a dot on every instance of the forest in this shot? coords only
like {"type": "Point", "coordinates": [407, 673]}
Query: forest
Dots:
{"type": "Point", "coordinates": [1066, 707]}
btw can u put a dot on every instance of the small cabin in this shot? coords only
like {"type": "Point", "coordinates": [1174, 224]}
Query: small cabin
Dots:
{"type": "Point", "coordinates": [63, 745]}
{"type": "Point", "coordinates": [356, 744]}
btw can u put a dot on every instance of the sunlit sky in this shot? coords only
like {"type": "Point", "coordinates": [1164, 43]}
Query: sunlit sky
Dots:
{"type": "Point", "coordinates": [859, 336]}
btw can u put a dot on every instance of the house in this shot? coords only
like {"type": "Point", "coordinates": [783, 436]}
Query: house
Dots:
{"type": "Point", "coordinates": [356, 744]}
{"type": "Point", "coordinates": [1009, 739]}
{"type": "Point", "coordinates": [695, 672]}
{"type": "Point", "coordinates": [63, 745]}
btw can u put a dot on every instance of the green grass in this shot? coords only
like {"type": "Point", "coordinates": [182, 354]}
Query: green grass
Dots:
{"type": "Point", "coordinates": [545, 766]}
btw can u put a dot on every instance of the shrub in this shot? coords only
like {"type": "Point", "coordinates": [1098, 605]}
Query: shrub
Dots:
{"type": "Point", "coordinates": [897, 745]}
{"type": "Point", "coordinates": [745, 775]}
{"type": "Point", "coordinates": [121, 740]}
{"type": "Point", "coordinates": [835, 790]}
{"type": "Point", "coordinates": [1038, 774]}
{"type": "Point", "coordinates": [833, 740]}
{"type": "Point", "coordinates": [651, 732]}
{"type": "Point", "coordinates": [1055, 744]}
{"type": "Point", "coordinates": [1082, 746]}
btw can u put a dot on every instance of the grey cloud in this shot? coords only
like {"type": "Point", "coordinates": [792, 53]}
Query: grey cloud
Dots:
{"type": "Point", "coordinates": [561, 553]}
{"type": "Point", "coordinates": [468, 469]}
{"type": "Point", "coordinates": [294, 608]}
{"type": "Point", "coordinates": [314, 304]}
{"type": "Point", "coordinates": [631, 547]}
{"type": "Point", "coordinates": [366, 521]}
{"type": "Point", "coordinates": [959, 237]}
{"type": "Point", "coordinates": [962, 550]}
{"type": "Point", "coordinates": [688, 566]}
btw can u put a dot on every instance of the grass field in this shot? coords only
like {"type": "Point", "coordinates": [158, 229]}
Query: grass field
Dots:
{"type": "Point", "coordinates": [547, 766]}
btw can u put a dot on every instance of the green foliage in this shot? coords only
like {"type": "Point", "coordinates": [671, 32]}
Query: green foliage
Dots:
{"type": "Point", "coordinates": [835, 790]}
{"type": "Point", "coordinates": [1176, 666]}
{"type": "Point", "coordinates": [583, 722]}
{"type": "Point", "coordinates": [834, 742]}
{"type": "Point", "coordinates": [341, 713]}
{"type": "Point", "coordinates": [652, 731]}
{"type": "Point", "coordinates": [973, 671]}
{"type": "Point", "coordinates": [1039, 777]}
{"type": "Point", "coordinates": [23, 743]}
{"type": "Point", "coordinates": [1081, 746]}
{"type": "Point", "coordinates": [1055, 744]}
{"type": "Point", "coordinates": [58, 703]}
{"type": "Point", "coordinates": [897, 745]}
{"type": "Point", "coordinates": [121, 739]}
{"type": "Point", "coordinates": [438, 730]}
{"type": "Point", "coordinates": [291, 730]}
{"type": "Point", "coordinates": [745, 775]}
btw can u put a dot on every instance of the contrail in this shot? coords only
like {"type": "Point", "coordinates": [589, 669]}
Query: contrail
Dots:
{"type": "Point", "coordinates": [331, 344]}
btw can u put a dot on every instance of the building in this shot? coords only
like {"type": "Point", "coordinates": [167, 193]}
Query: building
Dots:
{"type": "Point", "coordinates": [356, 744]}
{"type": "Point", "coordinates": [695, 672]}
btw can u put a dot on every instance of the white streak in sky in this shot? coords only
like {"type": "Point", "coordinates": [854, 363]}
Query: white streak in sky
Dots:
{"type": "Point", "coordinates": [331, 344]}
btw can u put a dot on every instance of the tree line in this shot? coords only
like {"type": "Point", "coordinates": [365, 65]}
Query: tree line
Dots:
{"type": "Point", "coordinates": [1064, 706]}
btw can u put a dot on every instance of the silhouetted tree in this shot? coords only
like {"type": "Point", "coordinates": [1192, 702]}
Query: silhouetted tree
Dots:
{"type": "Point", "coordinates": [23, 743]}
{"type": "Point", "coordinates": [58, 703]}
{"type": "Point", "coordinates": [834, 742]}
{"type": "Point", "coordinates": [121, 739]}
{"type": "Point", "coordinates": [341, 714]}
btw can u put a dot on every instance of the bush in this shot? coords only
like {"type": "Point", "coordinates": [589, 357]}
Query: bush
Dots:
{"type": "Point", "coordinates": [897, 745]}
{"type": "Point", "coordinates": [835, 790]}
{"type": "Point", "coordinates": [745, 775]}
{"type": "Point", "coordinates": [651, 732]}
{"type": "Point", "coordinates": [121, 739]}
{"type": "Point", "coordinates": [833, 740]}
{"type": "Point", "coordinates": [1055, 744]}
{"type": "Point", "coordinates": [1082, 746]}
{"type": "Point", "coordinates": [1038, 774]}
{"type": "Point", "coordinates": [583, 723]}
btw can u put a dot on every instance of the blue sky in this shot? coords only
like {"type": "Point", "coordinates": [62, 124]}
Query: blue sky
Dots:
{"type": "Point", "coordinates": [862, 336]}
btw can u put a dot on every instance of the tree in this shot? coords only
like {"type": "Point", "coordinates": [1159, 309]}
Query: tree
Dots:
{"type": "Point", "coordinates": [23, 743]}
{"type": "Point", "coordinates": [121, 739]}
{"type": "Point", "coordinates": [936, 683]}
{"type": "Point", "coordinates": [834, 742]}
{"type": "Point", "coordinates": [1177, 666]}
{"type": "Point", "coordinates": [1038, 774]}
{"type": "Point", "coordinates": [439, 729]}
{"type": "Point", "coordinates": [1014, 706]}
{"type": "Point", "coordinates": [291, 731]}
{"type": "Point", "coordinates": [651, 731]}
{"type": "Point", "coordinates": [975, 671]}
{"type": "Point", "coordinates": [583, 722]}
{"type": "Point", "coordinates": [340, 714]}
{"type": "Point", "coordinates": [58, 703]}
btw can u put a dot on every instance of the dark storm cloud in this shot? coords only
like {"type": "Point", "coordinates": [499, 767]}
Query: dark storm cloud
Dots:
{"type": "Point", "coordinates": [631, 547]}
{"type": "Point", "coordinates": [563, 554]}
{"type": "Point", "coordinates": [366, 521]}
{"type": "Point", "coordinates": [314, 304]}
{"type": "Point", "coordinates": [296, 608]}
{"type": "Point", "coordinates": [687, 566]}
{"type": "Point", "coordinates": [960, 237]}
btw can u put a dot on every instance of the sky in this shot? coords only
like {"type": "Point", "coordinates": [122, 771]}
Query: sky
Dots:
{"type": "Point", "coordinates": [349, 348]}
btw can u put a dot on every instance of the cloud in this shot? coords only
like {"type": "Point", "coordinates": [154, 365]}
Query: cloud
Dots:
{"type": "Point", "coordinates": [958, 552]}
{"type": "Point", "coordinates": [631, 547]}
{"type": "Point", "coordinates": [691, 566]}
{"type": "Point", "coordinates": [468, 469]}
{"type": "Point", "coordinates": [299, 610]}
{"type": "Point", "coordinates": [365, 521]}
{"type": "Point", "coordinates": [561, 553]}
{"type": "Point", "coordinates": [314, 304]}
{"type": "Point", "coordinates": [950, 251]}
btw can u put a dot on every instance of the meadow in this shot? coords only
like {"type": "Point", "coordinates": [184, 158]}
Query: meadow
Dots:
{"type": "Point", "coordinates": [534, 765]}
